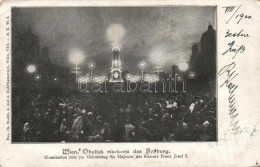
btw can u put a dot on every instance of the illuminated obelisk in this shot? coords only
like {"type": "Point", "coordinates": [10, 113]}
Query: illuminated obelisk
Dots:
{"type": "Point", "coordinates": [116, 68]}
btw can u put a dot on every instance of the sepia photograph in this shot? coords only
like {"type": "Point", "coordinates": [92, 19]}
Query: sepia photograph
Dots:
{"type": "Point", "coordinates": [114, 74]}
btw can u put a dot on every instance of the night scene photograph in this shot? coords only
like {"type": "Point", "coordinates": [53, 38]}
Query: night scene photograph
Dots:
{"type": "Point", "coordinates": [114, 74]}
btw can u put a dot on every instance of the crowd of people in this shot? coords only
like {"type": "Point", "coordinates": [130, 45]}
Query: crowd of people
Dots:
{"type": "Point", "coordinates": [114, 117]}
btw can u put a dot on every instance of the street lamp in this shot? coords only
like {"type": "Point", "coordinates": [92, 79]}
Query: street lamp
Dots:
{"type": "Point", "coordinates": [37, 77]}
{"type": "Point", "coordinates": [192, 75]}
{"type": "Point", "coordinates": [142, 66]}
{"type": "Point", "coordinates": [91, 66]}
{"type": "Point", "coordinates": [31, 68]}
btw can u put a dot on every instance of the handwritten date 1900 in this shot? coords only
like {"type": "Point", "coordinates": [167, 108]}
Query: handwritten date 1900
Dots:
{"type": "Point", "coordinates": [237, 16]}
{"type": "Point", "coordinates": [242, 16]}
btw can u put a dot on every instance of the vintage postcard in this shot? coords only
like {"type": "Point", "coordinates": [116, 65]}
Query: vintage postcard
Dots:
{"type": "Point", "coordinates": [130, 83]}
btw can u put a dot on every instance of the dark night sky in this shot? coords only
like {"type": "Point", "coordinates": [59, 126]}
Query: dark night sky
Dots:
{"type": "Point", "coordinates": [157, 35]}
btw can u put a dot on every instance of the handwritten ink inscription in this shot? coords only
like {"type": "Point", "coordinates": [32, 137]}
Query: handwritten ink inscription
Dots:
{"type": "Point", "coordinates": [236, 16]}
{"type": "Point", "coordinates": [229, 71]}
{"type": "Point", "coordinates": [234, 34]}
{"type": "Point", "coordinates": [233, 48]}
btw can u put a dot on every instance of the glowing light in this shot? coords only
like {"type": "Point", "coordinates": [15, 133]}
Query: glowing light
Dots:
{"type": "Point", "coordinates": [76, 56]}
{"type": "Point", "coordinates": [142, 64]}
{"type": "Point", "coordinates": [100, 79]}
{"type": "Point", "coordinates": [179, 78]}
{"type": "Point", "coordinates": [138, 78]}
{"type": "Point", "coordinates": [37, 77]}
{"type": "Point", "coordinates": [155, 77]}
{"type": "Point", "coordinates": [84, 79]}
{"type": "Point", "coordinates": [151, 78]}
{"type": "Point", "coordinates": [104, 77]}
{"type": "Point", "coordinates": [192, 75]}
{"type": "Point", "coordinates": [133, 78]}
{"type": "Point", "coordinates": [115, 34]}
{"type": "Point", "coordinates": [55, 79]}
{"type": "Point", "coordinates": [128, 76]}
{"type": "Point", "coordinates": [96, 79]}
{"type": "Point", "coordinates": [91, 65]}
{"type": "Point", "coordinates": [183, 66]}
{"type": "Point", "coordinates": [31, 68]}
{"type": "Point", "coordinates": [148, 78]}
{"type": "Point", "coordinates": [116, 75]}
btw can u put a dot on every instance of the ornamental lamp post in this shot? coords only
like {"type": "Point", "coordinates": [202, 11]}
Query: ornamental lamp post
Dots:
{"type": "Point", "coordinates": [142, 66]}
{"type": "Point", "coordinates": [91, 66]}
